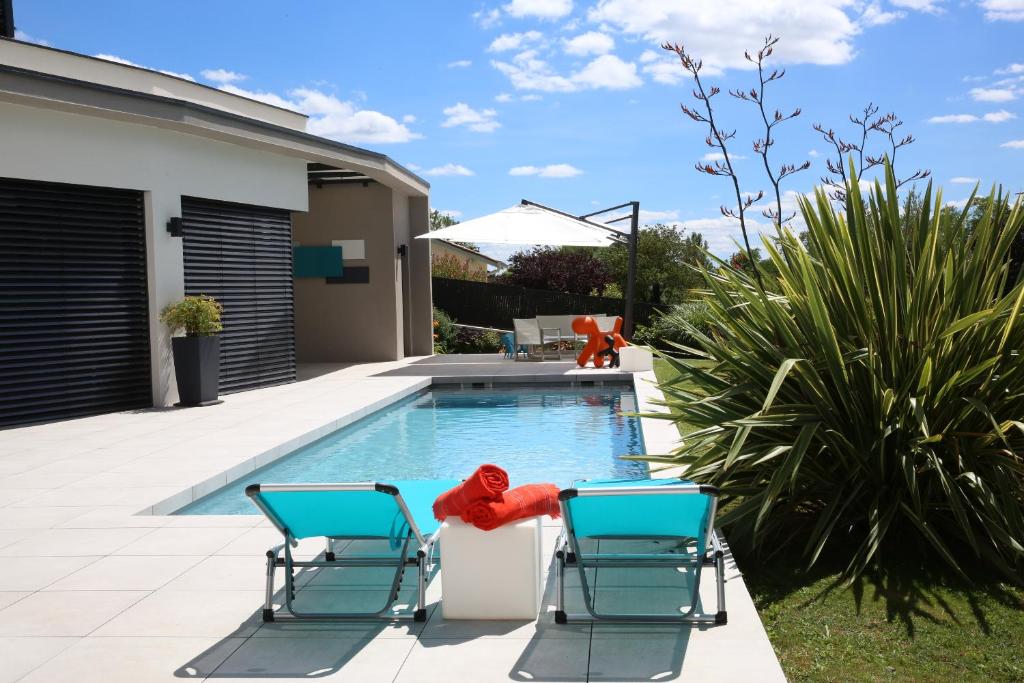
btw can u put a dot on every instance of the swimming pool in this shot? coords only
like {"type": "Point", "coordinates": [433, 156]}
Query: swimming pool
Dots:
{"type": "Point", "coordinates": [537, 433]}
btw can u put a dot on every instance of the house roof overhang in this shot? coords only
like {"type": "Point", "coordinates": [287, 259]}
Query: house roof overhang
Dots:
{"type": "Point", "coordinates": [46, 90]}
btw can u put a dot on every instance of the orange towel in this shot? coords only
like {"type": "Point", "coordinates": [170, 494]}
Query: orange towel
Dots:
{"type": "Point", "coordinates": [519, 503]}
{"type": "Point", "coordinates": [488, 482]}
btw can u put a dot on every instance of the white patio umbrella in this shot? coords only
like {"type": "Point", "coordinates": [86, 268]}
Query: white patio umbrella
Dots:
{"type": "Point", "coordinates": [528, 224]}
{"type": "Point", "coordinates": [532, 223]}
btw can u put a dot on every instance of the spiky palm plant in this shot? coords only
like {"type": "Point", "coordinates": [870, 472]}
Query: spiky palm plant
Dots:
{"type": "Point", "coordinates": [873, 400]}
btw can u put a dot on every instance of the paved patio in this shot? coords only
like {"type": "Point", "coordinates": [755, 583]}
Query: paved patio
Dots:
{"type": "Point", "coordinates": [91, 590]}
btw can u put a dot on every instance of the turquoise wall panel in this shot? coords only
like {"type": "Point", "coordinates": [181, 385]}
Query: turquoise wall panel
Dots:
{"type": "Point", "coordinates": [316, 261]}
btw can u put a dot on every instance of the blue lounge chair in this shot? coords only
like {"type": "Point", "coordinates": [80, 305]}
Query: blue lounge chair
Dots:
{"type": "Point", "coordinates": [398, 511]}
{"type": "Point", "coordinates": [624, 524]}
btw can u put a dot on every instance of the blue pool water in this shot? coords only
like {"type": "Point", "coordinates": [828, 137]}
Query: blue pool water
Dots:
{"type": "Point", "coordinates": [538, 434]}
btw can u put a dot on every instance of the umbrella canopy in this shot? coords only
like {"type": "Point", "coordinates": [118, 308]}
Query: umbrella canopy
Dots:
{"type": "Point", "coordinates": [527, 224]}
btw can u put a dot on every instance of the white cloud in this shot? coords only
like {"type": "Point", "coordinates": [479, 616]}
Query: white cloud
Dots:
{"type": "Point", "coordinates": [222, 76]}
{"type": "Point", "coordinates": [998, 116]}
{"type": "Point", "coordinates": [1013, 144]}
{"type": "Point", "coordinates": [450, 170]}
{"type": "Point", "coordinates": [454, 213]}
{"type": "Point", "coordinates": [541, 9]}
{"type": "Point", "coordinates": [957, 203]}
{"type": "Point", "coordinates": [514, 41]}
{"type": "Point", "coordinates": [503, 97]}
{"type": "Point", "coordinates": [460, 64]}
{"type": "Point", "coordinates": [667, 71]}
{"type": "Point", "coordinates": [953, 118]}
{"type": "Point", "coordinates": [532, 97]}
{"type": "Point", "coordinates": [488, 18]}
{"type": "Point", "coordinates": [932, 6]}
{"type": "Point", "coordinates": [528, 72]}
{"type": "Point", "coordinates": [718, 156]}
{"type": "Point", "coordinates": [549, 171]}
{"type": "Point", "coordinates": [333, 118]}
{"type": "Point", "coordinates": [127, 62]}
{"type": "Point", "coordinates": [1003, 10]}
{"type": "Point", "coordinates": [993, 94]}
{"type": "Point", "coordinates": [408, 118]}
{"type": "Point", "coordinates": [478, 121]}
{"type": "Point", "coordinates": [608, 71]}
{"type": "Point", "coordinates": [27, 38]}
{"type": "Point", "coordinates": [723, 234]}
{"type": "Point", "coordinates": [1011, 69]}
{"type": "Point", "coordinates": [874, 15]}
{"type": "Point", "coordinates": [589, 43]}
{"type": "Point", "coordinates": [820, 32]}
{"type": "Point", "coordinates": [658, 216]}
{"type": "Point", "coordinates": [813, 153]}
{"type": "Point", "coordinates": [963, 180]}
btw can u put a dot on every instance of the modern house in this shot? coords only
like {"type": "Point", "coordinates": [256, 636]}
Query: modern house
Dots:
{"type": "Point", "coordinates": [471, 260]}
{"type": "Point", "coordinates": [123, 189]}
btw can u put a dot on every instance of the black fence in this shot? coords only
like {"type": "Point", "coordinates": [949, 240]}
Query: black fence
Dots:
{"type": "Point", "coordinates": [492, 305]}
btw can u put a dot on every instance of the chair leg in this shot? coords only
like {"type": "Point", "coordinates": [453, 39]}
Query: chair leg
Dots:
{"type": "Point", "coordinates": [268, 603]}
{"type": "Point", "coordinates": [560, 615]}
{"type": "Point", "coordinates": [421, 587]}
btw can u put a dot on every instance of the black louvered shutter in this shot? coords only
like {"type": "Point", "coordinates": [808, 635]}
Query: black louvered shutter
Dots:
{"type": "Point", "coordinates": [242, 256]}
{"type": "Point", "coordinates": [6, 19]}
{"type": "Point", "coordinates": [74, 315]}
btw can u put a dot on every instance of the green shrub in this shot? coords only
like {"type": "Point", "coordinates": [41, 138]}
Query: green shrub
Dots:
{"type": "Point", "coordinates": [671, 330]}
{"type": "Point", "coordinates": [444, 332]}
{"type": "Point", "coordinates": [476, 341]}
{"type": "Point", "coordinates": [197, 315]}
{"type": "Point", "coordinates": [873, 406]}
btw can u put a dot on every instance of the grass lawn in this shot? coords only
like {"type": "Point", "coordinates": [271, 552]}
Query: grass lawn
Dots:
{"type": "Point", "coordinates": [915, 627]}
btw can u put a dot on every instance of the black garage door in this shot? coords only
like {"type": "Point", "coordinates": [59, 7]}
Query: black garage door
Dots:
{"type": "Point", "coordinates": [242, 256]}
{"type": "Point", "coordinates": [74, 317]}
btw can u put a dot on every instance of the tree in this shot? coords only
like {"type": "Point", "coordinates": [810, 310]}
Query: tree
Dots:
{"type": "Point", "coordinates": [440, 220]}
{"type": "Point", "coordinates": [665, 261]}
{"type": "Point", "coordinates": [560, 270]}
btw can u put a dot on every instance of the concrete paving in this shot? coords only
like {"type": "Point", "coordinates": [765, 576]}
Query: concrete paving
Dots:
{"type": "Point", "coordinates": [98, 583]}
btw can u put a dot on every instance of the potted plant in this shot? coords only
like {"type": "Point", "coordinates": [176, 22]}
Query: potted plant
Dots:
{"type": "Point", "coordinates": [197, 354]}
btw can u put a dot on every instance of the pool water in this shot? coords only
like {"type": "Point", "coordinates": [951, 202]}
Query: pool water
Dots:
{"type": "Point", "coordinates": [538, 434]}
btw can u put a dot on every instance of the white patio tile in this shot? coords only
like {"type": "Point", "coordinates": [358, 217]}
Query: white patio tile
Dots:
{"type": "Point", "coordinates": [224, 573]}
{"type": "Point", "coordinates": [9, 536]}
{"type": "Point", "coordinates": [64, 613]}
{"type": "Point", "coordinates": [317, 658]}
{"type": "Point", "coordinates": [113, 517]}
{"type": "Point", "coordinates": [73, 542]}
{"type": "Point", "coordinates": [182, 541]}
{"type": "Point", "coordinates": [37, 517]}
{"type": "Point", "coordinates": [489, 660]}
{"type": "Point", "coordinates": [214, 614]}
{"type": "Point", "coordinates": [19, 656]}
{"type": "Point", "coordinates": [33, 573]}
{"type": "Point", "coordinates": [11, 597]}
{"type": "Point", "coordinates": [136, 660]}
{"type": "Point", "coordinates": [127, 573]}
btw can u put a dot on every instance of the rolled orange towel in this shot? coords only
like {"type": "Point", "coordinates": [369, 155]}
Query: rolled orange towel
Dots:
{"type": "Point", "coordinates": [488, 482]}
{"type": "Point", "coordinates": [519, 503]}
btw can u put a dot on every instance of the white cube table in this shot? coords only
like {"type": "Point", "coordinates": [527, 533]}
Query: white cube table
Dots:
{"type": "Point", "coordinates": [491, 574]}
{"type": "Point", "coordinates": [635, 359]}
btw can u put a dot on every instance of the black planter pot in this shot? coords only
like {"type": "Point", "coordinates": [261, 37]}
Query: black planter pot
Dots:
{"type": "Point", "coordinates": [197, 369]}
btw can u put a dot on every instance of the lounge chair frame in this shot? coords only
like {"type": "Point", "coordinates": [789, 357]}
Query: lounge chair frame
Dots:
{"type": "Point", "coordinates": [281, 556]}
{"type": "Point", "coordinates": [568, 553]}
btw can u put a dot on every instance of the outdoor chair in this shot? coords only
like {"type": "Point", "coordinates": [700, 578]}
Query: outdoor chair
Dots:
{"type": "Point", "coordinates": [614, 528]}
{"type": "Point", "coordinates": [528, 334]}
{"type": "Point", "coordinates": [399, 512]}
{"type": "Point", "coordinates": [508, 343]}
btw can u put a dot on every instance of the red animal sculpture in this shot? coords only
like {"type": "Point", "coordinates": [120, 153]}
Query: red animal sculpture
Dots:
{"type": "Point", "coordinates": [596, 339]}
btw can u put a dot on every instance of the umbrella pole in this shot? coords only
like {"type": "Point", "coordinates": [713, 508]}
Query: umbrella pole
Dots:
{"type": "Point", "coordinates": [634, 235]}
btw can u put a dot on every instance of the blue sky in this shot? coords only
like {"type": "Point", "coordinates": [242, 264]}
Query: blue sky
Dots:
{"type": "Point", "coordinates": [572, 103]}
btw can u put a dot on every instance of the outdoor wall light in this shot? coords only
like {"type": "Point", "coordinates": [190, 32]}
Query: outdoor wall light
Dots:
{"type": "Point", "coordinates": [175, 227]}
